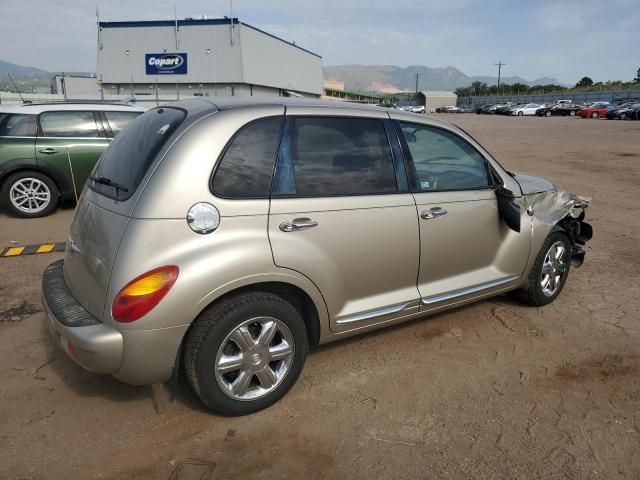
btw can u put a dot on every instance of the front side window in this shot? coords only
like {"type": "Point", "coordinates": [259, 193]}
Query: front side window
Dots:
{"type": "Point", "coordinates": [443, 160]}
{"type": "Point", "coordinates": [69, 124]}
{"type": "Point", "coordinates": [247, 164]}
{"type": "Point", "coordinates": [119, 120]}
{"type": "Point", "coordinates": [341, 156]}
{"type": "Point", "coordinates": [17, 125]}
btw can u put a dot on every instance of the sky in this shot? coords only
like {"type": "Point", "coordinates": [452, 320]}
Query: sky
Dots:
{"type": "Point", "coordinates": [562, 39]}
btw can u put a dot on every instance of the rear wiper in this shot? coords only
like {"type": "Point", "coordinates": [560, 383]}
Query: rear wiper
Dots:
{"type": "Point", "coordinates": [110, 183]}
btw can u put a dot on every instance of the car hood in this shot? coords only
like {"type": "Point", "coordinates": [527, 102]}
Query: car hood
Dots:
{"type": "Point", "coordinates": [530, 184]}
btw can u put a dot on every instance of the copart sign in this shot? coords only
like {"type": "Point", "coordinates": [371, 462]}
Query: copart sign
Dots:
{"type": "Point", "coordinates": [166, 63]}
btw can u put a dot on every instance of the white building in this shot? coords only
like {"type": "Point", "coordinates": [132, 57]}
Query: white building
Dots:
{"type": "Point", "coordinates": [209, 57]}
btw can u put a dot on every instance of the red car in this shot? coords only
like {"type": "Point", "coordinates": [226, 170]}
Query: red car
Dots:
{"type": "Point", "coordinates": [597, 110]}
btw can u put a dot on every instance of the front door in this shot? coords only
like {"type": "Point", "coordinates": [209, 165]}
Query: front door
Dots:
{"type": "Point", "coordinates": [340, 215]}
{"type": "Point", "coordinates": [71, 143]}
{"type": "Point", "coordinates": [466, 249]}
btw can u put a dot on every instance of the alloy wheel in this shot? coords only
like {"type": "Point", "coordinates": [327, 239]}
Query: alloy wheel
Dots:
{"type": "Point", "coordinates": [553, 269]}
{"type": "Point", "coordinates": [30, 195]}
{"type": "Point", "coordinates": [254, 358]}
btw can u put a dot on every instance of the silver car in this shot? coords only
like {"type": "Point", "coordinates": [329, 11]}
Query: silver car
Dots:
{"type": "Point", "coordinates": [224, 239]}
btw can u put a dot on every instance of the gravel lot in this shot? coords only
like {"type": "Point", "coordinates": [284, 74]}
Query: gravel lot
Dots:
{"type": "Point", "coordinates": [492, 390]}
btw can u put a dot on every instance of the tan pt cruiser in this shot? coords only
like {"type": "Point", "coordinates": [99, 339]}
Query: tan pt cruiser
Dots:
{"type": "Point", "coordinates": [224, 239]}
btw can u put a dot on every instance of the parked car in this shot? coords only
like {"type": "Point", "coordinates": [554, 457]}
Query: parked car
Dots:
{"type": "Point", "coordinates": [47, 151]}
{"type": "Point", "coordinates": [527, 109]}
{"type": "Point", "coordinates": [417, 109]}
{"type": "Point", "coordinates": [634, 111]}
{"type": "Point", "coordinates": [225, 239]}
{"type": "Point", "coordinates": [596, 110]}
{"type": "Point", "coordinates": [561, 109]}
{"type": "Point", "coordinates": [482, 108]}
{"type": "Point", "coordinates": [465, 109]}
{"type": "Point", "coordinates": [505, 109]}
{"type": "Point", "coordinates": [621, 112]}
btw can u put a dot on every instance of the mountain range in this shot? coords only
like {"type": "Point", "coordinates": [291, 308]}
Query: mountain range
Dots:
{"type": "Point", "coordinates": [390, 78]}
{"type": "Point", "coordinates": [364, 78]}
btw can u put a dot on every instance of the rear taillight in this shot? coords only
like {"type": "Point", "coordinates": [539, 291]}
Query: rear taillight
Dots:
{"type": "Point", "coordinates": [143, 293]}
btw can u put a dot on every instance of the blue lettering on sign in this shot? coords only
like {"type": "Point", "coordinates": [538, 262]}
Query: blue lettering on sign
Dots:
{"type": "Point", "coordinates": [166, 63]}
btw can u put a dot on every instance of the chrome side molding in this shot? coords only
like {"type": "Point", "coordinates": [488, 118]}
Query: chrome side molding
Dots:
{"type": "Point", "coordinates": [442, 297]}
{"type": "Point", "coordinates": [381, 312]}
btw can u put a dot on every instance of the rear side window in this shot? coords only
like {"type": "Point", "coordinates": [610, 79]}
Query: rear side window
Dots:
{"type": "Point", "coordinates": [443, 160]}
{"type": "Point", "coordinates": [341, 156]}
{"type": "Point", "coordinates": [119, 120]}
{"type": "Point", "coordinates": [69, 124]}
{"type": "Point", "coordinates": [247, 164]}
{"type": "Point", "coordinates": [132, 152]}
{"type": "Point", "coordinates": [17, 125]}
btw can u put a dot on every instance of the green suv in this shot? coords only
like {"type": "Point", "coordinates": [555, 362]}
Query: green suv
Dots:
{"type": "Point", "coordinates": [47, 151]}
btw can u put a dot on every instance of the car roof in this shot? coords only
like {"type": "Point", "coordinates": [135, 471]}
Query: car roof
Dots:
{"type": "Point", "coordinates": [36, 108]}
{"type": "Point", "coordinates": [198, 107]}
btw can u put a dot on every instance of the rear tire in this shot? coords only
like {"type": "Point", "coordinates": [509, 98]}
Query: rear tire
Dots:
{"type": "Point", "coordinates": [572, 113]}
{"type": "Point", "coordinates": [595, 115]}
{"type": "Point", "coordinates": [29, 194]}
{"type": "Point", "coordinates": [549, 272]}
{"type": "Point", "coordinates": [547, 113]}
{"type": "Point", "coordinates": [233, 364]}
{"type": "Point", "coordinates": [623, 116]}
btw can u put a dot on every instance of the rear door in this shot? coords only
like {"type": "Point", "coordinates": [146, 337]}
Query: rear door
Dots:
{"type": "Point", "coordinates": [70, 142]}
{"type": "Point", "coordinates": [341, 215]}
{"type": "Point", "coordinates": [465, 248]}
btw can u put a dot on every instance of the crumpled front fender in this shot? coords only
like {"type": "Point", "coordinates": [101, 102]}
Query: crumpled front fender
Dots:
{"type": "Point", "coordinates": [561, 211]}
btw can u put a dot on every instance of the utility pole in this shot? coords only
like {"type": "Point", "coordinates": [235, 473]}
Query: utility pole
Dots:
{"type": "Point", "coordinates": [417, 77]}
{"type": "Point", "coordinates": [499, 65]}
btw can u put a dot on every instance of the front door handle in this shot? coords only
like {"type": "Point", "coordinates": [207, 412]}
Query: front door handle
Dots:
{"type": "Point", "coordinates": [435, 212]}
{"type": "Point", "coordinates": [298, 224]}
{"type": "Point", "coordinates": [49, 150]}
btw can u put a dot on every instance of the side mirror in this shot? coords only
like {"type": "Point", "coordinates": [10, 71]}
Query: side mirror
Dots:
{"type": "Point", "coordinates": [508, 209]}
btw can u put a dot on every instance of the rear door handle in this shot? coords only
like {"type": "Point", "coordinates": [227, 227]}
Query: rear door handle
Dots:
{"type": "Point", "coordinates": [298, 224]}
{"type": "Point", "coordinates": [49, 150]}
{"type": "Point", "coordinates": [435, 212]}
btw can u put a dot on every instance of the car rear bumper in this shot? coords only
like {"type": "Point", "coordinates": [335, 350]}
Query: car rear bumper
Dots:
{"type": "Point", "coordinates": [90, 343]}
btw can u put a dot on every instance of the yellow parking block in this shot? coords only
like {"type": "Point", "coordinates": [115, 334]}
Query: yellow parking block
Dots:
{"type": "Point", "coordinates": [13, 251]}
{"type": "Point", "coordinates": [46, 248]}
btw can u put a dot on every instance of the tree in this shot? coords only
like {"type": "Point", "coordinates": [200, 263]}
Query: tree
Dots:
{"type": "Point", "coordinates": [584, 82]}
{"type": "Point", "coordinates": [637, 79]}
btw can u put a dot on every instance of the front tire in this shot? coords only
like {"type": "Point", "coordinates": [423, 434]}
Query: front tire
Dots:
{"type": "Point", "coordinates": [245, 353]}
{"type": "Point", "coordinates": [595, 115]}
{"type": "Point", "coordinates": [29, 194]}
{"type": "Point", "coordinates": [549, 272]}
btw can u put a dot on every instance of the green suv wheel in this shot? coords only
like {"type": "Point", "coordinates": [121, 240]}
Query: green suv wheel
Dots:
{"type": "Point", "coordinates": [29, 194]}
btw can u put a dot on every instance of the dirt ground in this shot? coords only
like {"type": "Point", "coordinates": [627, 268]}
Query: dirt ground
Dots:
{"type": "Point", "coordinates": [492, 390]}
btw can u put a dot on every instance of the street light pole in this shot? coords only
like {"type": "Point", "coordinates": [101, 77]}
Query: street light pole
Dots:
{"type": "Point", "coordinates": [500, 65]}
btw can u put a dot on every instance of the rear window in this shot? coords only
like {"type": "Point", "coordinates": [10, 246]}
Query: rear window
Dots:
{"type": "Point", "coordinates": [17, 125]}
{"type": "Point", "coordinates": [132, 152]}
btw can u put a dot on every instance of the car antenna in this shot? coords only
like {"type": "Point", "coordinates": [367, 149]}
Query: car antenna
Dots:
{"type": "Point", "coordinates": [16, 87]}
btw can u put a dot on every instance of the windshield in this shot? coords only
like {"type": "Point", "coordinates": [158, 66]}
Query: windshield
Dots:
{"type": "Point", "coordinates": [132, 152]}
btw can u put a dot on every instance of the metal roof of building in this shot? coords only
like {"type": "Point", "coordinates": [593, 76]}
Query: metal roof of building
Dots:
{"type": "Point", "coordinates": [437, 93]}
{"type": "Point", "coordinates": [195, 22]}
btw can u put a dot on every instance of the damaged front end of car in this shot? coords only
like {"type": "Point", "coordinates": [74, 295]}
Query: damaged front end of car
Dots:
{"type": "Point", "coordinates": [561, 212]}
{"type": "Point", "coordinates": [579, 231]}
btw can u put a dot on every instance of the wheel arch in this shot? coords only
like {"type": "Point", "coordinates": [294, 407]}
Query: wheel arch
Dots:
{"type": "Point", "coordinates": [21, 165]}
{"type": "Point", "coordinates": [310, 305]}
